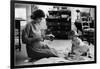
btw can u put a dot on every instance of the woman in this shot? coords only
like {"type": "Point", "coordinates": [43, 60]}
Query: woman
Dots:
{"type": "Point", "coordinates": [32, 36]}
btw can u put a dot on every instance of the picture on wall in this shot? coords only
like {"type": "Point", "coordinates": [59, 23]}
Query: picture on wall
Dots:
{"type": "Point", "coordinates": [52, 34]}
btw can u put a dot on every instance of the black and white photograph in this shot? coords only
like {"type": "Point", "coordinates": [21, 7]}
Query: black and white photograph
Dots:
{"type": "Point", "coordinates": [52, 34]}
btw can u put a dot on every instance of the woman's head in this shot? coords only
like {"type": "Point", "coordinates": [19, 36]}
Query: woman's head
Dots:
{"type": "Point", "coordinates": [38, 15]}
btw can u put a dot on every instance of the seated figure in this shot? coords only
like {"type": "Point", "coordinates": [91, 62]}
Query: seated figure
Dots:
{"type": "Point", "coordinates": [79, 48]}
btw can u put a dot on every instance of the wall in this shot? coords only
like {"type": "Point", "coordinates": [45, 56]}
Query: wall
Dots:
{"type": "Point", "coordinates": [24, 11]}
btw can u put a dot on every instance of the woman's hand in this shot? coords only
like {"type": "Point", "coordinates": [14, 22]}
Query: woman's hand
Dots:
{"type": "Point", "coordinates": [44, 45]}
{"type": "Point", "coordinates": [49, 37]}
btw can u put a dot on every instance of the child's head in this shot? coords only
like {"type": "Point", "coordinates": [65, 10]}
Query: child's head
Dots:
{"type": "Point", "coordinates": [74, 38]}
{"type": "Point", "coordinates": [72, 35]}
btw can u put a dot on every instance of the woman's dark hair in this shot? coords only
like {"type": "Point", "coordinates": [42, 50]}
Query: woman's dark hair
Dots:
{"type": "Point", "coordinates": [37, 14]}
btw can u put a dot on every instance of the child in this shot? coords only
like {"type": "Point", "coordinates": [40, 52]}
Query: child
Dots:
{"type": "Point", "coordinates": [79, 48]}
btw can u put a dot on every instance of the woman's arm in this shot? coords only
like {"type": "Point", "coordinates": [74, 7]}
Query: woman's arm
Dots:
{"type": "Point", "coordinates": [25, 36]}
